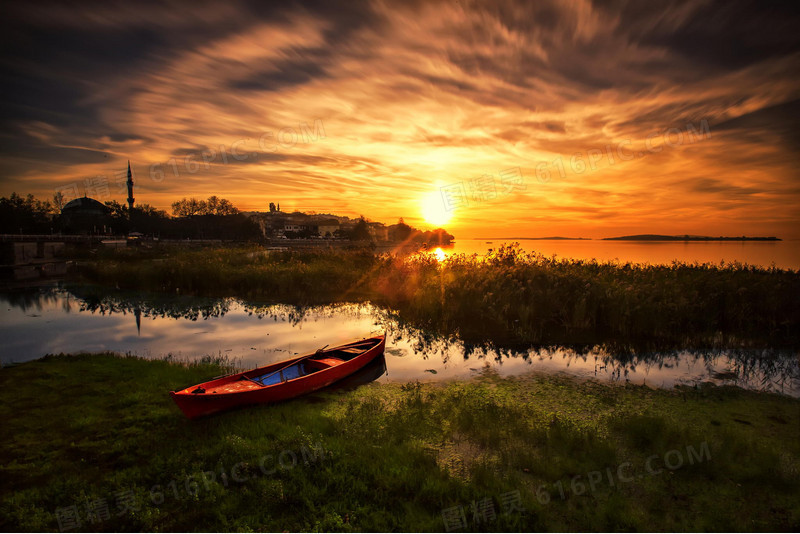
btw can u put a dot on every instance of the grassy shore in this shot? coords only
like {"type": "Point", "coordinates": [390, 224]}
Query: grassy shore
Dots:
{"type": "Point", "coordinates": [100, 434]}
{"type": "Point", "coordinates": [510, 298]}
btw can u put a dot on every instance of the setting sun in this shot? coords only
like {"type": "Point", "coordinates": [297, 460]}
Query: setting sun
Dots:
{"type": "Point", "coordinates": [434, 210]}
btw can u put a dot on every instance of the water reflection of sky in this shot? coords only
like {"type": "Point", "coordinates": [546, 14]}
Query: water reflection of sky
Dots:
{"type": "Point", "coordinates": [53, 321]}
{"type": "Point", "coordinates": [783, 254]}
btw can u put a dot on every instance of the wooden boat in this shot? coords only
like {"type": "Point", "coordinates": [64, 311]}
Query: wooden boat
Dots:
{"type": "Point", "coordinates": [279, 381]}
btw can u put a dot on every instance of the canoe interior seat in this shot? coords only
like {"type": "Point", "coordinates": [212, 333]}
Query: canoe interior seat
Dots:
{"type": "Point", "coordinates": [324, 363]}
{"type": "Point", "coordinates": [293, 371]}
{"type": "Point", "coordinates": [268, 379]}
{"type": "Point", "coordinates": [345, 354]}
{"type": "Point", "coordinates": [297, 370]}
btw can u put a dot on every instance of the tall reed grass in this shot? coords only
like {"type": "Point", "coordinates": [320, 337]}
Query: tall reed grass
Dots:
{"type": "Point", "coordinates": [509, 297]}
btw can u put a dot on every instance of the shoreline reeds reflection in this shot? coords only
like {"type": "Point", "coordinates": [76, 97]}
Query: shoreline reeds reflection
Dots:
{"type": "Point", "coordinates": [254, 333]}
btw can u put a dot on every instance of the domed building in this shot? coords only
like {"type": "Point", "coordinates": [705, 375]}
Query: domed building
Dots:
{"type": "Point", "coordinates": [85, 215]}
{"type": "Point", "coordinates": [84, 206]}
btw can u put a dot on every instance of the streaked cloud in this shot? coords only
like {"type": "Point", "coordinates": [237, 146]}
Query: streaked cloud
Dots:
{"type": "Point", "coordinates": [409, 97]}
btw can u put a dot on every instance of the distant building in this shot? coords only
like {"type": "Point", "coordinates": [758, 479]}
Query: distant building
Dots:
{"type": "Point", "coordinates": [378, 231]}
{"type": "Point", "coordinates": [327, 227]}
{"type": "Point", "coordinates": [84, 206]}
{"type": "Point", "coordinates": [129, 183]}
{"type": "Point", "coordinates": [293, 227]}
{"type": "Point", "coordinates": [292, 224]}
{"type": "Point", "coordinates": [85, 215]}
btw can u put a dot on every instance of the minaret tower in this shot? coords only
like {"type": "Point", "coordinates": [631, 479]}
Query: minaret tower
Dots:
{"type": "Point", "coordinates": [130, 187]}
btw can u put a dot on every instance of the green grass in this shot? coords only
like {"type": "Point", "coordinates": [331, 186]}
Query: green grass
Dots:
{"type": "Point", "coordinates": [510, 298]}
{"type": "Point", "coordinates": [83, 428]}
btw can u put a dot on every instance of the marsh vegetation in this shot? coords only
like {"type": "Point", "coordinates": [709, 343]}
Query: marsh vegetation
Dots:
{"type": "Point", "coordinates": [509, 297]}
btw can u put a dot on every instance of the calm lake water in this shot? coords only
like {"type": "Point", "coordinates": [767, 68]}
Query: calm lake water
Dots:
{"type": "Point", "coordinates": [784, 254]}
{"type": "Point", "coordinates": [53, 320]}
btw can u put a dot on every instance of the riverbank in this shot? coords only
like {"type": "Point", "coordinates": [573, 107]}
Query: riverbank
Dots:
{"type": "Point", "coordinates": [94, 441]}
{"type": "Point", "coordinates": [508, 298]}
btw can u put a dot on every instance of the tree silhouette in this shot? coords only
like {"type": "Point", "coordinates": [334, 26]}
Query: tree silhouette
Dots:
{"type": "Point", "coordinates": [360, 231]}
{"type": "Point", "coordinates": [402, 231]}
{"type": "Point", "coordinates": [58, 201]}
{"type": "Point", "coordinates": [213, 206]}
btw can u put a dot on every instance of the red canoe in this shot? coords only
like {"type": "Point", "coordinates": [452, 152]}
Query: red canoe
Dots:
{"type": "Point", "coordinates": [279, 381]}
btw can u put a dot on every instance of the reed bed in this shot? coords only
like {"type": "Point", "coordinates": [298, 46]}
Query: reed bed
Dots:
{"type": "Point", "coordinates": [508, 297]}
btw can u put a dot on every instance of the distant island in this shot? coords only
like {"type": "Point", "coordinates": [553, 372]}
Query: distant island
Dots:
{"type": "Point", "coordinates": [657, 237]}
{"type": "Point", "coordinates": [532, 238]}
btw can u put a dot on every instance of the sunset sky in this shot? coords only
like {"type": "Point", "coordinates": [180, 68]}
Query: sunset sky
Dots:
{"type": "Point", "coordinates": [574, 118]}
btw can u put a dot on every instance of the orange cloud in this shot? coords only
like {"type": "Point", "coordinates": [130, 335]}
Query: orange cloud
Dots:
{"type": "Point", "coordinates": [371, 111]}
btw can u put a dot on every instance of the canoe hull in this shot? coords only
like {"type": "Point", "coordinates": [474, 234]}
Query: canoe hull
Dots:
{"type": "Point", "coordinates": [198, 405]}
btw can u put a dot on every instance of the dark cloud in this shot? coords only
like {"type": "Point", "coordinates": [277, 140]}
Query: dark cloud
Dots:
{"type": "Point", "coordinates": [282, 75]}
{"type": "Point", "coordinates": [124, 137]}
{"type": "Point", "coordinates": [708, 185]}
{"type": "Point", "coordinates": [448, 84]}
{"type": "Point", "coordinates": [55, 66]}
{"type": "Point", "coordinates": [196, 150]}
{"type": "Point", "coordinates": [722, 34]}
{"type": "Point", "coordinates": [63, 156]}
{"type": "Point", "coordinates": [782, 120]}
{"type": "Point", "coordinates": [546, 126]}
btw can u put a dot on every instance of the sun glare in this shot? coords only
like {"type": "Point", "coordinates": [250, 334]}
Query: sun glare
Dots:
{"type": "Point", "coordinates": [439, 253]}
{"type": "Point", "coordinates": [434, 210]}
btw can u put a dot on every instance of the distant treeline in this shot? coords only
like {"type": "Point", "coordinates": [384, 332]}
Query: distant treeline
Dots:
{"type": "Point", "coordinates": [28, 215]}
{"type": "Point", "coordinates": [213, 218]}
{"type": "Point", "coordinates": [403, 233]}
